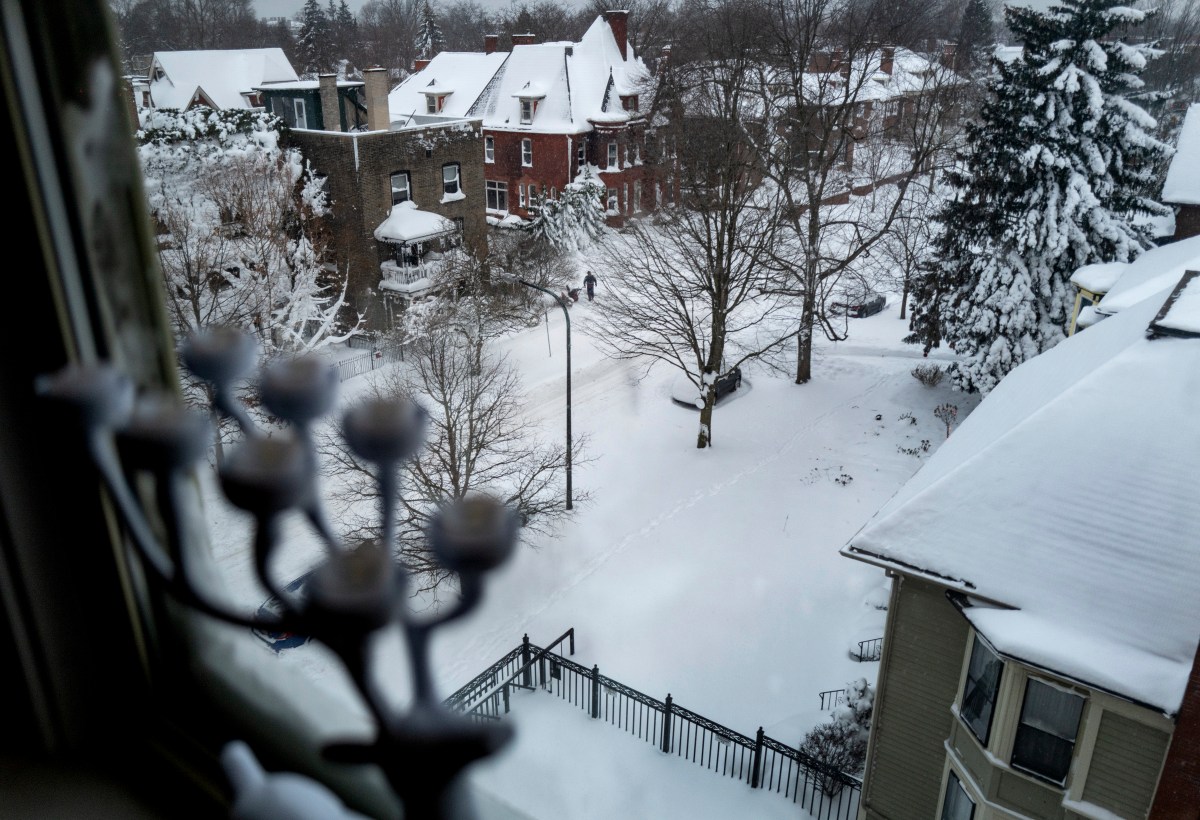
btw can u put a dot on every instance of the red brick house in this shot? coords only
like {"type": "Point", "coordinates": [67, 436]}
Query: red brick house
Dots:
{"type": "Point", "coordinates": [549, 111]}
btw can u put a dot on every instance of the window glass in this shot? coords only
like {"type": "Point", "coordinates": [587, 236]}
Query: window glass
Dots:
{"type": "Point", "coordinates": [527, 152]}
{"type": "Point", "coordinates": [431, 104]}
{"type": "Point", "coordinates": [637, 196]}
{"type": "Point", "coordinates": [450, 185]}
{"type": "Point", "coordinates": [521, 196]}
{"type": "Point", "coordinates": [489, 149]}
{"type": "Point", "coordinates": [957, 805]}
{"type": "Point", "coordinates": [301, 120]}
{"type": "Point", "coordinates": [612, 155]}
{"type": "Point", "coordinates": [1046, 733]}
{"type": "Point", "coordinates": [979, 692]}
{"type": "Point", "coordinates": [401, 191]}
{"type": "Point", "coordinates": [497, 195]}
{"type": "Point", "coordinates": [581, 155]}
{"type": "Point", "coordinates": [612, 199]}
{"type": "Point", "coordinates": [526, 111]}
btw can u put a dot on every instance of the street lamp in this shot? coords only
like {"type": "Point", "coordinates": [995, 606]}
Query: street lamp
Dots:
{"type": "Point", "coordinates": [562, 303]}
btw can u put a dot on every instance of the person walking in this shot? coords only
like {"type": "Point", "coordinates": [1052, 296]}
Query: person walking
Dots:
{"type": "Point", "coordinates": [589, 282]}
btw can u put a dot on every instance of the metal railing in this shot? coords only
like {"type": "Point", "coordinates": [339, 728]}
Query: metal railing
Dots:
{"type": "Point", "coordinates": [368, 362]}
{"type": "Point", "coordinates": [871, 650]}
{"type": "Point", "coordinates": [831, 698]}
{"type": "Point", "coordinates": [761, 762]}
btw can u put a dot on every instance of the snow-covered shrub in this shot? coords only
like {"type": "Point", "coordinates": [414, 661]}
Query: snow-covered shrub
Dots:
{"type": "Point", "coordinates": [946, 414]}
{"type": "Point", "coordinates": [841, 743]}
{"type": "Point", "coordinates": [927, 374]}
{"type": "Point", "coordinates": [573, 221]}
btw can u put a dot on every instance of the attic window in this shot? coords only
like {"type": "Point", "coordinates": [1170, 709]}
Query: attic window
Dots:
{"type": "Point", "coordinates": [630, 102]}
{"type": "Point", "coordinates": [527, 107]}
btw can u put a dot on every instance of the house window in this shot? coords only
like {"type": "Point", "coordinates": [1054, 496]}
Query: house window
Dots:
{"type": "Point", "coordinates": [526, 112]}
{"type": "Point", "coordinates": [527, 152]}
{"type": "Point", "coordinates": [298, 108]}
{"type": "Point", "coordinates": [612, 155]}
{"type": "Point", "coordinates": [431, 104]}
{"type": "Point", "coordinates": [979, 691]}
{"type": "Point", "coordinates": [626, 187]}
{"type": "Point", "coordinates": [497, 195]}
{"type": "Point", "coordinates": [521, 196]}
{"type": "Point", "coordinates": [637, 196]}
{"type": "Point", "coordinates": [450, 180]}
{"type": "Point", "coordinates": [957, 804]}
{"type": "Point", "coordinates": [1046, 732]}
{"type": "Point", "coordinates": [489, 149]}
{"type": "Point", "coordinates": [401, 190]}
{"type": "Point", "coordinates": [580, 155]}
{"type": "Point", "coordinates": [612, 200]}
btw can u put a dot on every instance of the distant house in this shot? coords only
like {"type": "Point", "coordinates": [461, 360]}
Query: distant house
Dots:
{"type": "Point", "coordinates": [217, 79]}
{"type": "Point", "coordinates": [1123, 284]}
{"type": "Point", "coordinates": [549, 111]}
{"type": "Point", "coordinates": [1045, 605]}
{"type": "Point", "coordinates": [406, 194]}
{"type": "Point", "coordinates": [1182, 185]}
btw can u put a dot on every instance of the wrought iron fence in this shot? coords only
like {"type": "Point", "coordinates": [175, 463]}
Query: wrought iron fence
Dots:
{"type": "Point", "coordinates": [831, 698]}
{"type": "Point", "coordinates": [761, 762]}
{"type": "Point", "coordinates": [377, 358]}
{"type": "Point", "coordinates": [871, 650]}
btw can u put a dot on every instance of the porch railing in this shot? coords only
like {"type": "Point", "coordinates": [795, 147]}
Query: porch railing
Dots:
{"type": "Point", "coordinates": [871, 650]}
{"type": "Point", "coordinates": [760, 761]}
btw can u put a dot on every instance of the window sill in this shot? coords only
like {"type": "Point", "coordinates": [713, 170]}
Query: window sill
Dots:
{"type": "Point", "coordinates": [456, 197]}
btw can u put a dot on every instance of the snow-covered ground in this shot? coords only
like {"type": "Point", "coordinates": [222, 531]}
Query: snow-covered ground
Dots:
{"type": "Point", "coordinates": [710, 575]}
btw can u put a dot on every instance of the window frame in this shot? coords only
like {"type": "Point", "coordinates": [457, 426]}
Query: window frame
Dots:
{"type": "Point", "coordinates": [527, 110]}
{"type": "Point", "coordinates": [495, 191]}
{"type": "Point", "coordinates": [527, 152]}
{"type": "Point", "coordinates": [458, 189]}
{"type": "Point", "coordinates": [953, 781]}
{"type": "Point", "coordinates": [407, 186]}
{"type": "Point", "coordinates": [431, 104]}
{"type": "Point", "coordinates": [968, 691]}
{"type": "Point", "coordinates": [1025, 726]}
{"type": "Point", "coordinates": [614, 156]}
{"type": "Point", "coordinates": [489, 148]}
{"type": "Point", "coordinates": [300, 112]}
{"type": "Point", "coordinates": [613, 202]}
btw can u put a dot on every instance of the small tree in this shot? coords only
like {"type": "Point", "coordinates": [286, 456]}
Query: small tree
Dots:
{"type": "Point", "coordinates": [576, 220]}
{"type": "Point", "coordinates": [314, 42]}
{"type": "Point", "coordinates": [841, 744]}
{"type": "Point", "coordinates": [429, 39]}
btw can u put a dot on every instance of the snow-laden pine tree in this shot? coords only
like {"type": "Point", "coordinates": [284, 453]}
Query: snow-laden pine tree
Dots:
{"type": "Point", "coordinates": [976, 35]}
{"type": "Point", "coordinates": [1052, 179]}
{"type": "Point", "coordinates": [312, 46]}
{"type": "Point", "coordinates": [575, 220]}
{"type": "Point", "coordinates": [429, 40]}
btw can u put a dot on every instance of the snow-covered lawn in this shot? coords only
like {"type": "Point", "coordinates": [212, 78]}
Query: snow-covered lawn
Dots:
{"type": "Point", "coordinates": [710, 575]}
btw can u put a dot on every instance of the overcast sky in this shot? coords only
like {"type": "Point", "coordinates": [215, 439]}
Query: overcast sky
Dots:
{"type": "Point", "coordinates": [290, 8]}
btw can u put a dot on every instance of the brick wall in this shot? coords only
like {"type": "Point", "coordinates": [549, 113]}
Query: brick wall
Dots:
{"type": "Point", "coordinates": [551, 155]}
{"type": "Point", "coordinates": [359, 185]}
{"type": "Point", "coordinates": [1178, 795]}
{"type": "Point", "coordinates": [1187, 222]}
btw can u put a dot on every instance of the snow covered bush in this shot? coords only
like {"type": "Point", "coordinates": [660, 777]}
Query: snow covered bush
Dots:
{"type": "Point", "coordinates": [574, 221]}
{"type": "Point", "coordinates": [841, 744]}
{"type": "Point", "coordinates": [929, 375]}
{"type": "Point", "coordinates": [1054, 178]}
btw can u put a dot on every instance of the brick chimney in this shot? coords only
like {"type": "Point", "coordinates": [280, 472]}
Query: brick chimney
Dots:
{"type": "Point", "coordinates": [664, 61]}
{"type": "Point", "coordinates": [618, 21]}
{"type": "Point", "coordinates": [378, 118]}
{"type": "Point", "coordinates": [887, 60]}
{"type": "Point", "coordinates": [419, 65]}
{"type": "Point", "coordinates": [524, 39]}
{"type": "Point", "coordinates": [490, 42]}
{"type": "Point", "coordinates": [331, 119]}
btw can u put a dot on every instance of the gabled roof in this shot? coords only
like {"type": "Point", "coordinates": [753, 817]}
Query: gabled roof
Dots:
{"type": "Point", "coordinates": [221, 77]}
{"type": "Point", "coordinates": [1182, 186]}
{"type": "Point", "coordinates": [570, 82]}
{"type": "Point", "coordinates": [1067, 505]}
{"type": "Point", "coordinates": [1155, 270]}
{"type": "Point", "coordinates": [406, 223]}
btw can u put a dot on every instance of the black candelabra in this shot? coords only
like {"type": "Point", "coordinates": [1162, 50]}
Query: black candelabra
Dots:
{"type": "Point", "coordinates": [356, 592]}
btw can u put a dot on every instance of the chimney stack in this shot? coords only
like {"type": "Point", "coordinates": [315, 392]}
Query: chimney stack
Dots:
{"type": "Point", "coordinates": [887, 60]}
{"type": "Point", "coordinates": [490, 42]}
{"type": "Point", "coordinates": [524, 39]}
{"type": "Point", "coordinates": [618, 21]}
{"type": "Point", "coordinates": [331, 115]}
{"type": "Point", "coordinates": [378, 118]}
{"type": "Point", "coordinates": [419, 65]}
{"type": "Point", "coordinates": [949, 54]}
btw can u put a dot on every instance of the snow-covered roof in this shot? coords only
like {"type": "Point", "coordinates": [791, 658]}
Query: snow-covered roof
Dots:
{"type": "Point", "coordinates": [1069, 496]}
{"type": "Point", "coordinates": [468, 73]}
{"type": "Point", "coordinates": [1180, 315]}
{"type": "Point", "coordinates": [406, 223]}
{"type": "Point", "coordinates": [1099, 277]}
{"type": "Point", "coordinates": [223, 76]}
{"type": "Point", "coordinates": [310, 85]}
{"type": "Point", "coordinates": [1182, 186]}
{"type": "Point", "coordinates": [570, 82]}
{"type": "Point", "coordinates": [1009, 54]}
{"type": "Point", "coordinates": [1156, 270]}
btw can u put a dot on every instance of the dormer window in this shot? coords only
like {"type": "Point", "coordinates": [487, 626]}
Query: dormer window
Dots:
{"type": "Point", "coordinates": [431, 104]}
{"type": "Point", "coordinates": [527, 99]}
{"type": "Point", "coordinates": [526, 111]}
{"type": "Point", "coordinates": [629, 102]}
{"type": "Point", "coordinates": [435, 97]}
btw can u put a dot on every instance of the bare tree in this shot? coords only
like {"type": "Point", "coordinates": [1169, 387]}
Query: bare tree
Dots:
{"type": "Point", "coordinates": [478, 443]}
{"type": "Point", "coordinates": [824, 117]}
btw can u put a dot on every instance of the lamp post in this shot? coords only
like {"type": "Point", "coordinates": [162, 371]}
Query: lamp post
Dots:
{"type": "Point", "coordinates": [562, 303]}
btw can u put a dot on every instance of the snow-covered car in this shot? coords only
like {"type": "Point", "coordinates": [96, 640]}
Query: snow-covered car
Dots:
{"type": "Point", "coordinates": [279, 641]}
{"type": "Point", "coordinates": [684, 392]}
{"type": "Point", "coordinates": [859, 308]}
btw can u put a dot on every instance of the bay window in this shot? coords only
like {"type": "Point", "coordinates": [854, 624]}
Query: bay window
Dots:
{"type": "Point", "coordinates": [980, 689]}
{"type": "Point", "coordinates": [1046, 732]}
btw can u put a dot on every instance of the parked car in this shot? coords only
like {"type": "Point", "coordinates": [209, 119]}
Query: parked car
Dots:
{"type": "Point", "coordinates": [684, 392]}
{"type": "Point", "coordinates": [280, 641]}
{"type": "Point", "coordinates": [858, 309]}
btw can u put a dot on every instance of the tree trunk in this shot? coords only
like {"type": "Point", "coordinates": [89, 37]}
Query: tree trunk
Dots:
{"type": "Point", "coordinates": [804, 339]}
{"type": "Point", "coordinates": [904, 298]}
{"type": "Point", "coordinates": [704, 437]}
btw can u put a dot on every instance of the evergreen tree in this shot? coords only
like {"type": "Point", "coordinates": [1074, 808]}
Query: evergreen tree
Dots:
{"type": "Point", "coordinates": [313, 43]}
{"type": "Point", "coordinates": [1052, 180]}
{"type": "Point", "coordinates": [574, 221]}
{"type": "Point", "coordinates": [976, 35]}
{"type": "Point", "coordinates": [429, 39]}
